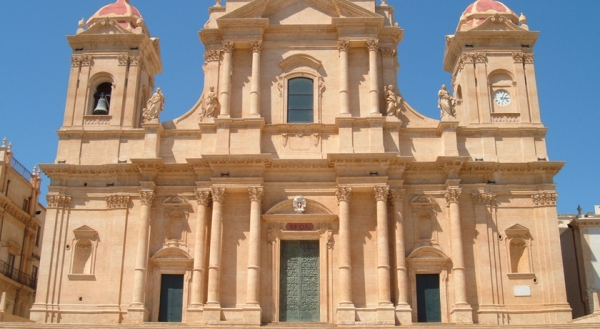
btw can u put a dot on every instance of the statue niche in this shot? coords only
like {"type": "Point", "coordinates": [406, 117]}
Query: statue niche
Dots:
{"type": "Point", "coordinates": [426, 228]}
{"type": "Point", "coordinates": [176, 226]}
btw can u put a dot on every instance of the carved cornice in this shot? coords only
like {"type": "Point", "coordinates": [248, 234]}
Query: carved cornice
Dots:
{"type": "Point", "coordinates": [484, 198]}
{"type": "Point", "coordinates": [343, 45]}
{"type": "Point", "coordinates": [397, 196]}
{"type": "Point", "coordinates": [343, 194]}
{"type": "Point", "coordinates": [256, 46]}
{"type": "Point", "coordinates": [203, 197]}
{"type": "Point", "coordinates": [117, 201]}
{"type": "Point", "coordinates": [544, 199]}
{"type": "Point", "coordinates": [218, 194]}
{"type": "Point", "coordinates": [452, 195]}
{"type": "Point", "coordinates": [381, 193]}
{"type": "Point", "coordinates": [256, 194]}
{"type": "Point", "coordinates": [147, 197]}
{"type": "Point", "coordinates": [228, 47]}
{"type": "Point", "coordinates": [59, 201]}
{"type": "Point", "coordinates": [212, 56]}
{"type": "Point", "coordinates": [8, 207]}
{"type": "Point", "coordinates": [373, 44]}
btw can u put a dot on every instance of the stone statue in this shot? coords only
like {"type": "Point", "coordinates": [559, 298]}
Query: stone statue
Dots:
{"type": "Point", "coordinates": [210, 105]}
{"type": "Point", "coordinates": [154, 106]}
{"type": "Point", "coordinates": [446, 103]}
{"type": "Point", "coordinates": [393, 102]}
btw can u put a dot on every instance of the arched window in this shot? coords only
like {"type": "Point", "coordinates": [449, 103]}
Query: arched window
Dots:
{"type": "Point", "coordinates": [300, 100]}
{"type": "Point", "coordinates": [103, 91]}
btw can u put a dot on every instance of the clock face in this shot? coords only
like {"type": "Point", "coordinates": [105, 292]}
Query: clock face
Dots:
{"type": "Point", "coordinates": [502, 98]}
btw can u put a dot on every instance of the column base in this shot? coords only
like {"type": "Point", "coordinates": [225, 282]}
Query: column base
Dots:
{"type": "Point", "coordinates": [212, 314]}
{"type": "Point", "coordinates": [224, 116]}
{"type": "Point", "coordinates": [346, 314]}
{"type": "Point", "coordinates": [386, 315]}
{"type": "Point", "coordinates": [345, 115]}
{"type": "Point", "coordinates": [252, 315]}
{"type": "Point", "coordinates": [136, 314]}
{"type": "Point", "coordinates": [195, 314]}
{"type": "Point", "coordinates": [403, 315]}
{"type": "Point", "coordinates": [462, 314]}
{"type": "Point", "coordinates": [376, 115]}
{"type": "Point", "coordinates": [254, 116]}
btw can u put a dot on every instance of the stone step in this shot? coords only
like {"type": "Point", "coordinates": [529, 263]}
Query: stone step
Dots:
{"type": "Point", "coordinates": [285, 326]}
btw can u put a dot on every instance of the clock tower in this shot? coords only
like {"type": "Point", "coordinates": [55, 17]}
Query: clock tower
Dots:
{"type": "Point", "coordinates": [491, 61]}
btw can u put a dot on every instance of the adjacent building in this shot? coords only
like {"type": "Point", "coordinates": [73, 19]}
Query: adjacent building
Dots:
{"type": "Point", "coordinates": [21, 229]}
{"type": "Point", "coordinates": [302, 187]}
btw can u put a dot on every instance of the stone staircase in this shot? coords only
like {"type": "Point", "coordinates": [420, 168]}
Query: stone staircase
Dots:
{"type": "Point", "coordinates": [286, 326]}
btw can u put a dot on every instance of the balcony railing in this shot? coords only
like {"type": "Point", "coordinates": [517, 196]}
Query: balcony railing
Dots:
{"type": "Point", "coordinates": [18, 276]}
{"type": "Point", "coordinates": [18, 167]}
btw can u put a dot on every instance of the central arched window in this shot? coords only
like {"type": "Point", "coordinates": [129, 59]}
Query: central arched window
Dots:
{"type": "Point", "coordinates": [300, 100]}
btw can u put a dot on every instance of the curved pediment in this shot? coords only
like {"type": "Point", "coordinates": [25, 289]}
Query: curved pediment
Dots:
{"type": "Point", "coordinates": [300, 60]}
{"type": "Point", "coordinates": [428, 254]}
{"type": "Point", "coordinates": [171, 253]}
{"type": "Point", "coordinates": [287, 208]}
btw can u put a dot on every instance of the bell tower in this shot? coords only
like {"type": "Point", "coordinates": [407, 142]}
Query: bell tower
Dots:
{"type": "Point", "coordinates": [491, 61]}
{"type": "Point", "coordinates": [113, 67]}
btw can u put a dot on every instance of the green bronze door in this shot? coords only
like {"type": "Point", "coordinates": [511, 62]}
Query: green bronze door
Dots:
{"type": "Point", "coordinates": [171, 298]}
{"type": "Point", "coordinates": [428, 298]}
{"type": "Point", "coordinates": [299, 284]}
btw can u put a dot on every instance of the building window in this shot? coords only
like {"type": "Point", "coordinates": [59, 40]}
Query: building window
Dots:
{"type": "Point", "coordinates": [34, 272]}
{"type": "Point", "coordinates": [300, 100]}
{"type": "Point", "coordinates": [26, 205]}
{"type": "Point", "coordinates": [11, 261]}
{"type": "Point", "coordinates": [102, 98]}
{"type": "Point", "coordinates": [38, 235]}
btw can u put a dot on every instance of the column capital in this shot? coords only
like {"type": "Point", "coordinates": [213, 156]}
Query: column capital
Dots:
{"type": "Point", "coordinates": [484, 198]}
{"type": "Point", "coordinates": [256, 46]}
{"type": "Point", "coordinates": [147, 196]}
{"type": "Point", "coordinates": [397, 195]}
{"type": "Point", "coordinates": [256, 194]}
{"type": "Point", "coordinates": [203, 197]}
{"type": "Point", "coordinates": [381, 193]}
{"type": "Point", "coordinates": [59, 201]}
{"type": "Point", "coordinates": [228, 46]}
{"type": "Point", "coordinates": [117, 201]}
{"type": "Point", "coordinates": [388, 52]}
{"type": "Point", "coordinates": [218, 194]}
{"type": "Point", "coordinates": [373, 44]}
{"type": "Point", "coordinates": [343, 45]}
{"type": "Point", "coordinates": [343, 193]}
{"type": "Point", "coordinates": [212, 56]}
{"type": "Point", "coordinates": [544, 199]}
{"type": "Point", "coordinates": [452, 195]}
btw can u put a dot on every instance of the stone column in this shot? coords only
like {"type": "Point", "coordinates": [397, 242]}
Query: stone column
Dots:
{"type": "Point", "coordinates": [203, 198]}
{"type": "Point", "coordinates": [225, 87]}
{"type": "Point", "coordinates": [403, 310]}
{"type": "Point", "coordinates": [141, 258]}
{"type": "Point", "coordinates": [346, 313]}
{"type": "Point", "coordinates": [373, 46]}
{"type": "Point", "coordinates": [255, 83]}
{"type": "Point", "coordinates": [343, 46]}
{"type": "Point", "coordinates": [461, 311]}
{"type": "Point", "coordinates": [214, 261]}
{"type": "Point", "coordinates": [253, 293]}
{"type": "Point", "coordinates": [383, 251]}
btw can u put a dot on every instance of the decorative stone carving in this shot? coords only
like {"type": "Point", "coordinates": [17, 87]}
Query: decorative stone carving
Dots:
{"type": "Point", "coordinates": [209, 105]}
{"type": "Point", "coordinates": [381, 193]}
{"type": "Point", "coordinates": [256, 194]}
{"type": "Point", "coordinates": [123, 60]}
{"type": "Point", "coordinates": [154, 106]}
{"type": "Point", "coordinates": [393, 102]}
{"type": "Point", "coordinates": [373, 44]}
{"type": "Point", "coordinates": [299, 204]}
{"type": "Point", "coordinates": [484, 198]}
{"type": "Point", "coordinates": [117, 201]}
{"type": "Point", "coordinates": [480, 58]}
{"type": "Point", "coordinates": [528, 58]}
{"type": "Point", "coordinates": [256, 46]}
{"type": "Point", "coordinates": [147, 197]}
{"type": "Point", "coordinates": [58, 201]}
{"type": "Point", "coordinates": [75, 61]}
{"type": "Point", "coordinates": [518, 57]}
{"type": "Point", "coordinates": [218, 194]}
{"type": "Point", "coordinates": [452, 195]}
{"type": "Point", "coordinates": [134, 60]}
{"type": "Point", "coordinates": [343, 45]}
{"type": "Point", "coordinates": [228, 47]}
{"type": "Point", "coordinates": [212, 56]}
{"type": "Point", "coordinates": [388, 52]}
{"type": "Point", "coordinates": [343, 194]}
{"type": "Point", "coordinates": [446, 104]}
{"type": "Point", "coordinates": [203, 197]}
{"type": "Point", "coordinates": [544, 199]}
{"type": "Point", "coordinates": [86, 60]}
{"type": "Point", "coordinates": [397, 195]}
{"type": "Point", "coordinates": [330, 241]}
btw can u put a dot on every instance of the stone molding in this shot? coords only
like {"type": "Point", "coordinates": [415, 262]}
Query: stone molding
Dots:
{"type": "Point", "coordinates": [59, 201]}
{"type": "Point", "coordinates": [388, 52]}
{"type": "Point", "coordinates": [343, 45]}
{"type": "Point", "coordinates": [484, 198]}
{"type": "Point", "coordinates": [117, 201]}
{"type": "Point", "coordinates": [228, 47]}
{"type": "Point", "coordinates": [452, 195]}
{"type": "Point", "coordinates": [256, 194]}
{"type": "Point", "coordinates": [147, 197]}
{"type": "Point", "coordinates": [397, 195]}
{"type": "Point", "coordinates": [256, 46]}
{"type": "Point", "coordinates": [381, 193]}
{"type": "Point", "coordinates": [544, 199]}
{"type": "Point", "coordinates": [343, 194]}
{"type": "Point", "coordinates": [212, 56]}
{"type": "Point", "coordinates": [203, 197]}
{"type": "Point", "coordinates": [218, 194]}
{"type": "Point", "coordinates": [373, 44]}
{"type": "Point", "coordinates": [521, 57]}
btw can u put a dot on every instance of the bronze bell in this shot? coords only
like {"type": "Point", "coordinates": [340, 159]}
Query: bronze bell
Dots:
{"type": "Point", "coordinates": [102, 107]}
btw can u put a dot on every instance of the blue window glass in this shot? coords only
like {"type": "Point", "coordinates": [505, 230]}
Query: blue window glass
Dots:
{"type": "Point", "coordinates": [300, 100]}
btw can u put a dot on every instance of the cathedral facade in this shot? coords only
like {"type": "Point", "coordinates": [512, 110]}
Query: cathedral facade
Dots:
{"type": "Point", "coordinates": [302, 186]}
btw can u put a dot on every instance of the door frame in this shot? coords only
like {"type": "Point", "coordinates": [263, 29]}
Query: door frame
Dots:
{"type": "Point", "coordinates": [170, 260]}
{"type": "Point", "coordinates": [278, 230]}
{"type": "Point", "coordinates": [161, 295]}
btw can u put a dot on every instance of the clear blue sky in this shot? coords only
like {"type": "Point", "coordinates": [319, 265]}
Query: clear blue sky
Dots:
{"type": "Point", "coordinates": [35, 63]}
